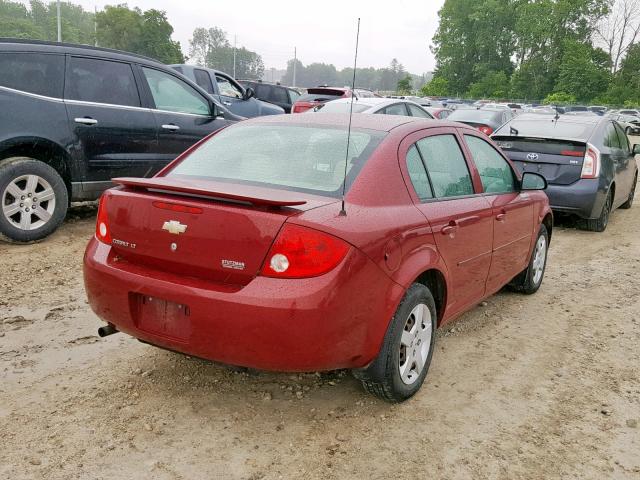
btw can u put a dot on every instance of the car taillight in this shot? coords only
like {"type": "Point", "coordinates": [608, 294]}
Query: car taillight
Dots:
{"type": "Point", "coordinates": [591, 163]}
{"type": "Point", "coordinates": [301, 252]}
{"type": "Point", "coordinates": [103, 232]}
{"type": "Point", "coordinates": [571, 153]}
{"type": "Point", "coordinates": [485, 129]}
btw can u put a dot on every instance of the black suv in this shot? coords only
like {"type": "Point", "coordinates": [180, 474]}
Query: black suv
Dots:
{"type": "Point", "coordinates": [277, 94]}
{"type": "Point", "coordinates": [73, 117]}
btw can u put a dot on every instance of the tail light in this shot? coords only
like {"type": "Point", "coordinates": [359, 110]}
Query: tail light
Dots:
{"type": "Point", "coordinates": [485, 129]}
{"type": "Point", "coordinates": [103, 232]}
{"type": "Point", "coordinates": [301, 252]}
{"type": "Point", "coordinates": [591, 163]}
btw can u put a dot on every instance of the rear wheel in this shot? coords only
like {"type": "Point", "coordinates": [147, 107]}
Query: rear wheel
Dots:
{"type": "Point", "coordinates": [401, 366]}
{"type": "Point", "coordinates": [33, 197]}
{"type": "Point", "coordinates": [529, 281]}
{"type": "Point", "coordinates": [632, 194]}
{"type": "Point", "coordinates": [600, 224]}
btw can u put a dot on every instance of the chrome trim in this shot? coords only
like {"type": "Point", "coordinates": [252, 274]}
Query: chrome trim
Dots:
{"type": "Point", "coordinates": [34, 95]}
{"type": "Point", "coordinates": [110, 105]}
{"type": "Point", "coordinates": [171, 127]}
{"type": "Point", "coordinates": [86, 121]}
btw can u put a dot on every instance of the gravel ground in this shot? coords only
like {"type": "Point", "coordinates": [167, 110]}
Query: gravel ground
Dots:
{"type": "Point", "coordinates": [542, 386]}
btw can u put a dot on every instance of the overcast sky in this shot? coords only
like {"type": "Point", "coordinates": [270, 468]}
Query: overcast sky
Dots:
{"type": "Point", "coordinates": [323, 31]}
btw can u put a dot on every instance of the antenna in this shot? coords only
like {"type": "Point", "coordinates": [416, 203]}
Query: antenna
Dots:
{"type": "Point", "coordinates": [343, 212]}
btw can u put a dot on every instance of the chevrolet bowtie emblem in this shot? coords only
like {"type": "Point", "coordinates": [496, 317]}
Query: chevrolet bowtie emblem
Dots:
{"type": "Point", "coordinates": [174, 226]}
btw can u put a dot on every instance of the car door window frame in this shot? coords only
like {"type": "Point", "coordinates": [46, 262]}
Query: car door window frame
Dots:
{"type": "Point", "coordinates": [383, 110]}
{"type": "Point", "coordinates": [414, 138]}
{"type": "Point", "coordinates": [233, 83]}
{"type": "Point", "coordinates": [622, 139]}
{"type": "Point", "coordinates": [514, 175]}
{"type": "Point", "coordinates": [148, 96]}
{"type": "Point", "coordinates": [210, 82]}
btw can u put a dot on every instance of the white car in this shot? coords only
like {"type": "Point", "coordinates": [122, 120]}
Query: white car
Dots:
{"type": "Point", "coordinates": [385, 106]}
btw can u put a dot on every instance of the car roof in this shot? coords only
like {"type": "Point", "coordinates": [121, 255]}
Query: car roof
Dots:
{"type": "Point", "coordinates": [383, 123]}
{"type": "Point", "coordinates": [18, 44]}
{"type": "Point", "coordinates": [373, 101]}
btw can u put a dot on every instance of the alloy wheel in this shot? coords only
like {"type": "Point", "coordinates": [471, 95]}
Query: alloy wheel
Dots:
{"type": "Point", "coordinates": [539, 259]}
{"type": "Point", "coordinates": [28, 202]}
{"type": "Point", "coordinates": [415, 344]}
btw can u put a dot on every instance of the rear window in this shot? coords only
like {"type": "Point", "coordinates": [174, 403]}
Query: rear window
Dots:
{"type": "Point", "coordinates": [540, 145]}
{"type": "Point", "coordinates": [37, 73]}
{"type": "Point", "coordinates": [298, 158]}
{"type": "Point", "coordinates": [342, 107]}
{"type": "Point", "coordinates": [469, 115]}
{"type": "Point", "coordinates": [317, 97]}
{"type": "Point", "coordinates": [545, 127]}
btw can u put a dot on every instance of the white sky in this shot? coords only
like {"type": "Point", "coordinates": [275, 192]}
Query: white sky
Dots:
{"type": "Point", "coordinates": [323, 31]}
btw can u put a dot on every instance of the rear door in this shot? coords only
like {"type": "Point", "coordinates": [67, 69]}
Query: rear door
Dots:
{"type": "Point", "coordinates": [114, 135]}
{"type": "Point", "coordinates": [626, 165]}
{"type": "Point", "coordinates": [182, 114]}
{"type": "Point", "coordinates": [232, 97]}
{"type": "Point", "coordinates": [513, 219]}
{"type": "Point", "coordinates": [460, 218]}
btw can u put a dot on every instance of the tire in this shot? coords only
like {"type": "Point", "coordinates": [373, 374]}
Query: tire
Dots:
{"type": "Point", "coordinates": [626, 205]}
{"type": "Point", "coordinates": [600, 224]}
{"type": "Point", "coordinates": [22, 219]}
{"type": "Point", "coordinates": [529, 281]}
{"type": "Point", "coordinates": [411, 329]}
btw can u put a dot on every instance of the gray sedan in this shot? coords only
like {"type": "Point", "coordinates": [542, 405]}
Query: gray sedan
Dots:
{"type": "Point", "coordinates": [385, 106]}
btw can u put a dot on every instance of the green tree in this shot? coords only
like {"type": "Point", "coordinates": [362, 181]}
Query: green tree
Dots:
{"type": "Point", "coordinates": [583, 72]}
{"type": "Point", "coordinates": [405, 85]}
{"type": "Point", "coordinates": [132, 30]}
{"type": "Point", "coordinates": [491, 85]}
{"type": "Point", "coordinates": [559, 98]}
{"type": "Point", "coordinates": [437, 87]}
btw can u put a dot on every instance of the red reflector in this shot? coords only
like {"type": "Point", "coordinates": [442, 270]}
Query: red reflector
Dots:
{"type": "Point", "coordinates": [571, 153]}
{"type": "Point", "coordinates": [174, 207]}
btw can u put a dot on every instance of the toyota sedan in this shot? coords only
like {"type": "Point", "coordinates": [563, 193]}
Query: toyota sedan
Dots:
{"type": "Point", "coordinates": [273, 245]}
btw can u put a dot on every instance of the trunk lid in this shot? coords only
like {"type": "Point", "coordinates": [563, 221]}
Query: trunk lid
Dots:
{"type": "Point", "coordinates": [558, 161]}
{"type": "Point", "coordinates": [209, 230]}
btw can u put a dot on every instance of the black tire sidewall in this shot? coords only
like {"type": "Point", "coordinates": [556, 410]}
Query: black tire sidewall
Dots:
{"type": "Point", "coordinates": [18, 166]}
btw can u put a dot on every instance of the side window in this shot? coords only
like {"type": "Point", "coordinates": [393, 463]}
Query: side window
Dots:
{"type": "Point", "coordinates": [172, 94]}
{"type": "Point", "coordinates": [611, 139]}
{"type": "Point", "coordinates": [279, 95]}
{"type": "Point", "coordinates": [624, 140]}
{"type": "Point", "coordinates": [397, 109]}
{"type": "Point", "coordinates": [227, 88]}
{"type": "Point", "coordinates": [417, 111]}
{"type": "Point", "coordinates": [446, 165]}
{"type": "Point", "coordinates": [263, 91]}
{"type": "Point", "coordinates": [418, 174]}
{"type": "Point", "coordinates": [101, 81]}
{"type": "Point", "coordinates": [444, 114]}
{"type": "Point", "coordinates": [496, 174]}
{"type": "Point", "coordinates": [293, 95]}
{"type": "Point", "coordinates": [33, 73]}
{"type": "Point", "coordinates": [203, 79]}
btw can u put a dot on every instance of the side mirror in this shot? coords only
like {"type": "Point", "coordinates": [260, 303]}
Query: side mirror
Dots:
{"type": "Point", "coordinates": [533, 181]}
{"type": "Point", "coordinates": [636, 149]}
{"type": "Point", "coordinates": [249, 93]}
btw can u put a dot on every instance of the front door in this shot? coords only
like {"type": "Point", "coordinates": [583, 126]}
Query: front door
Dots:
{"type": "Point", "coordinates": [460, 219]}
{"type": "Point", "coordinates": [183, 116]}
{"type": "Point", "coordinates": [113, 135]}
{"type": "Point", "coordinates": [513, 215]}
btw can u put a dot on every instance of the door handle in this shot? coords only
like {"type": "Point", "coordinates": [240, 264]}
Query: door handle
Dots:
{"type": "Point", "coordinates": [228, 104]}
{"type": "Point", "coordinates": [450, 229]}
{"type": "Point", "coordinates": [171, 127]}
{"type": "Point", "coordinates": [501, 217]}
{"type": "Point", "coordinates": [86, 120]}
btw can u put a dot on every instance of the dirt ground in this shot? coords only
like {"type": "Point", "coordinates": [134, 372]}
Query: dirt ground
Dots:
{"type": "Point", "coordinates": [532, 387]}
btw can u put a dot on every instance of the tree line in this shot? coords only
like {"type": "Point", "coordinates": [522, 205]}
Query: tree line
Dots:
{"type": "Point", "coordinates": [558, 50]}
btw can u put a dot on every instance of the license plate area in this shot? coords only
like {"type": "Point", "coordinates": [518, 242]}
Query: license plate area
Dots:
{"type": "Point", "coordinates": [161, 317]}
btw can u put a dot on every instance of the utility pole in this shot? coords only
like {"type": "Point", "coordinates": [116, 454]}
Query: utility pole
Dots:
{"type": "Point", "coordinates": [59, 24]}
{"type": "Point", "coordinates": [295, 61]}
{"type": "Point", "coordinates": [235, 38]}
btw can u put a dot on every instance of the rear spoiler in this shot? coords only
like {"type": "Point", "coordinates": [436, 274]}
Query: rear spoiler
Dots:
{"type": "Point", "coordinates": [213, 189]}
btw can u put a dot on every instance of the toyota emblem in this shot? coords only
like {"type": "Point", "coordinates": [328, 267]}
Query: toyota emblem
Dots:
{"type": "Point", "coordinates": [532, 156]}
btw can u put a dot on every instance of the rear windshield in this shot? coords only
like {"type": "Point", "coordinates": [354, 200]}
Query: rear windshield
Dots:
{"type": "Point", "coordinates": [469, 115]}
{"type": "Point", "coordinates": [318, 97]}
{"type": "Point", "coordinates": [298, 158]}
{"type": "Point", "coordinates": [342, 107]}
{"type": "Point", "coordinates": [541, 145]}
{"type": "Point", "coordinates": [547, 127]}
{"type": "Point", "coordinates": [326, 91]}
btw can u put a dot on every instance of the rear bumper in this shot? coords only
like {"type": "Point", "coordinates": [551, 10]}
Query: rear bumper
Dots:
{"type": "Point", "coordinates": [337, 320]}
{"type": "Point", "coordinates": [583, 198]}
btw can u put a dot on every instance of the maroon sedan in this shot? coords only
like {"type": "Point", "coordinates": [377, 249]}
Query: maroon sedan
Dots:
{"type": "Point", "coordinates": [242, 250]}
